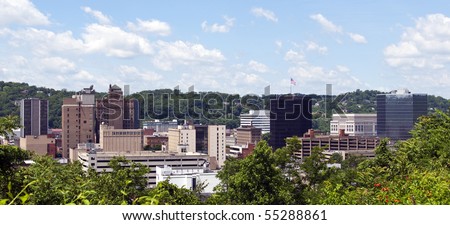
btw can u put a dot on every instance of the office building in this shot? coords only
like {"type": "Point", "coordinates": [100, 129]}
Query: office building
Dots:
{"type": "Point", "coordinates": [43, 145]}
{"type": "Point", "coordinates": [354, 124]}
{"type": "Point", "coordinates": [188, 178]}
{"type": "Point", "coordinates": [182, 139]}
{"type": "Point", "coordinates": [116, 111]}
{"type": "Point", "coordinates": [33, 117]}
{"type": "Point", "coordinates": [216, 145]}
{"type": "Point", "coordinates": [201, 138]}
{"type": "Point", "coordinates": [397, 112]}
{"type": "Point", "coordinates": [248, 134]}
{"type": "Point", "coordinates": [78, 120]}
{"type": "Point", "coordinates": [341, 143]}
{"type": "Point", "coordinates": [99, 161]}
{"type": "Point", "coordinates": [257, 118]}
{"type": "Point", "coordinates": [290, 115]}
{"type": "Point", "coordinates": [120, 140]}
{"type": "Point", "coordinates": [160, 126]}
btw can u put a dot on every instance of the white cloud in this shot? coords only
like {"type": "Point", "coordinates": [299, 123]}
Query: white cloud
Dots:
{"type": "Point", "coordinates": [358, 38]}
{"type": "Point", "coordinates": [43, 42]}
{"type": "Point", "coordinates": [257, 66]}
{"type": "Point", "coordinates": [342, 69]}
{"type": "Point", "coordinates": [99, 16]}
{"type": "Point", "coordinates": [312, 46]}
{"type": "Point", "coordinates": [113, 41]}
{"type": "Point", "coordinates": [294, 57]}
{"type": "Point", "coordinates": [21, 12]}
{"type": "Point", "coordinates": [131, 72]}
{"type": "Point", "coordinates": [279, 44]}
{"type": "Point", "coordinates": [224, 28]}
{"type": "Point", "coordinates": [184, 53]}
{"type": "Point", "coordinates": [326, 24]}
{"type": "Point", "coordinates": [425, 46]}
{"type": "Point", "coordinates": [269, 15]}
{"type": "Point", "coordinates": [150, 26]}
{"type": "Point", "coordinates": [56, 65]}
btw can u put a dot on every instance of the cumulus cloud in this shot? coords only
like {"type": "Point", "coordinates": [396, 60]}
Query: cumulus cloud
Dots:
{"type": "Point", "coordinates": [425, 46]}
{"type": "Point", "coordinates": [294, 57]}
{"type": "Point", "coordinates": [21, 12]}
{"type": "Point", "coordinates": [257, 66]}
{"type": "Point", "coordinates": [220, 28]}
{"type": "Point", "coordinates": [358, 38]}
{"type": "Point", "coordinates": [313, 46]}
{"type": "Point", "coordinates": [44, 42]}
{"type": "Point", "coordinates": [326, 24]}
{"type": "Point", "coordinates": [113, 41]}
{"type": "Point", "coordinates": [150, 26]}
{"type": "Point", "coordinates": [131, 71]}
{"type": "Point", "coordinates": [184, 53]}
{"type": "Point", "coordinates": [99, 16]}
{"type": "Point", "coordinates": [260, 12]}
{"type": "Point", "coordinates": [333, 28]}
{"type": "Point", "coordinates": [56, 65]}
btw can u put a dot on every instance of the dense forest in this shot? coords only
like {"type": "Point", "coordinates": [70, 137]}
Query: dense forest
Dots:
{"type": "Point", "coordinates": [413, 172]}
{"type": "Point", "coordinates": [201, 107]}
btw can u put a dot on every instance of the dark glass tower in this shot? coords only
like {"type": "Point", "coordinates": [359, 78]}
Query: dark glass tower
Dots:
{"type": "Point", "coordinates": [397, 112]}
{"type": "Point", "coordinates": [33, 117]}
{"type": "Point", "coordinates": [290, 115]}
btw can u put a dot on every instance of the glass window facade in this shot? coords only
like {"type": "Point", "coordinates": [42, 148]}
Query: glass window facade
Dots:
{"type": "Point", "coordinates": [397, 114]}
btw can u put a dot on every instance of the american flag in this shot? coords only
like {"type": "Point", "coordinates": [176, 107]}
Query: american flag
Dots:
{"type": "Point", "coordinates": [293, 81]}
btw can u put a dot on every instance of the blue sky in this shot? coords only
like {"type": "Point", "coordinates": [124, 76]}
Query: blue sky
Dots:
{"type": "Point", "coordinates": [228, 46]}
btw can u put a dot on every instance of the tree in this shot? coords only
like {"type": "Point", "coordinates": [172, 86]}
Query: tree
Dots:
{"type": "Point", "coordinates": [255, 179]}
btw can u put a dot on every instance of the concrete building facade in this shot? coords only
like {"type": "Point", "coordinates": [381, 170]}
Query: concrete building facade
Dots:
{"type": "Point", "coordinates": [258, 119]}
{"type": "Point", "coordinates": [78, 120]}
{"type": "Point", "coordinates": [216, 144]}
{"type": "Point", "coordinates": [99, 161]}
{"type": "Point", "coordinates": [182, 139]}
{"type": "Point", "coordinates": [120, 140]}
{"type": "Point", "coordinates": [41, 145]}
{"type": "Point", "coordinates": [248, 134]}
{"type": "Point", "coordinates": [354, 124]}
{"type": "Point", "coordinates": [188, 178]}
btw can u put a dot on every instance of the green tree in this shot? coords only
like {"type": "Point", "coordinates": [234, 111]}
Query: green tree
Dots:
{"type": "Point", "coordinates": [255, 179]}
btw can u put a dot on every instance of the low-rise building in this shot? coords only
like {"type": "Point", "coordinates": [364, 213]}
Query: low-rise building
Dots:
{"type": "Point", "coordinates": [40, 144]}
{"type": "Point", "coordinates": [354, 124]}
{"type": "Point", "coordinates": [99, 161]}
{"type": "Point", "coordinates": [341, 143]}
{"type": "Point", "coordinates": [120, 140]}
{"type": "Point", "coordinates": [189, 178]}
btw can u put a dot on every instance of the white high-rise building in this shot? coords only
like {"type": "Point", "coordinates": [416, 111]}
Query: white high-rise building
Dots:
{"type": "Point", "coordinates": [258, 119]}
{"type": "Point", "coordinates": [354, 124]}
{"type": "Point", "coordinates": [216, 143]}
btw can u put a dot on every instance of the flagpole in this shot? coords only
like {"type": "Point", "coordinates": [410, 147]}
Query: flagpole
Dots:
{"type": "Point", "coordinates": [290, 86]}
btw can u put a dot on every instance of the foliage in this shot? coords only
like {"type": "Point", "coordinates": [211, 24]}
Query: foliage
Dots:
{"type": "Point", "coordinates": [255, 179]}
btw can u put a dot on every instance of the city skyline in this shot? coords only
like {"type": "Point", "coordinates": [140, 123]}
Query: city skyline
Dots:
{"type": "Point", "coordinates": [245, 45]}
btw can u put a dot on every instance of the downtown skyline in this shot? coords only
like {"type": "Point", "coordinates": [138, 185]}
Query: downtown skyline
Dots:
{"type": "Point", "coordinates": [233, 46]}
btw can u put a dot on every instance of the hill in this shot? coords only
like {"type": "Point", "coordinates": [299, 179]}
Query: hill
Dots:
{"type": "Point", "coordinates": [201, 107]}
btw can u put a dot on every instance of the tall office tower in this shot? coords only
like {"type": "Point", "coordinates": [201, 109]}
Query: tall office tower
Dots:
{"type": "Point", "coordinates": [201, 138]}
{"type": "Point", "coordinates": [110, 108]}
{"type": "Point", "coordinates": [131, 114]}
{"type": "Point", "coordinates": [78, 120]}
{"type": "Point", "coordinates": [216, 144]}
{"type": "Point", "coordinates": [397, 112]}
{"type": "Point", "coordinates": [290, 115]}
{"type": "Point", "coordinates": [33, 117]}
{"type": "Point", "coordinates": [258, 119]}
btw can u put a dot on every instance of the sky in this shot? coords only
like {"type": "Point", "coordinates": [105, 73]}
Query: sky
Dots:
{"type": "Point", "coordinates": [236, 47]}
